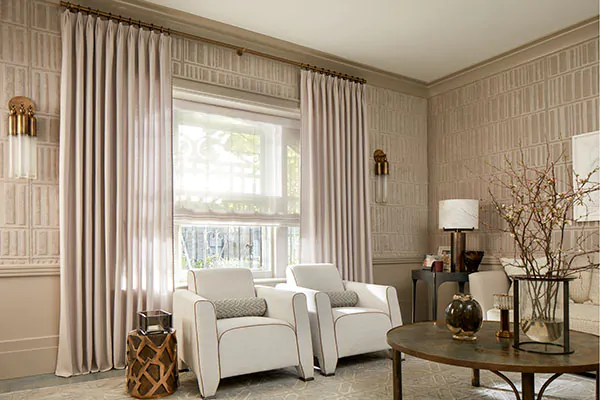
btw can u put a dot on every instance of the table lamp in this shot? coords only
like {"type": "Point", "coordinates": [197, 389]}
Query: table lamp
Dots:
{"type": "Point", "coordinates": [457, 216]}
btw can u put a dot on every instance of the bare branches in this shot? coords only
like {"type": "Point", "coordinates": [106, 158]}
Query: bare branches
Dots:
{"type": "Point", "coordinates": [539, 211]}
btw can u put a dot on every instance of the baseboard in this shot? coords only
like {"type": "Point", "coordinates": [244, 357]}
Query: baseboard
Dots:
{"type": "Point", "coordinates": [20, 363]}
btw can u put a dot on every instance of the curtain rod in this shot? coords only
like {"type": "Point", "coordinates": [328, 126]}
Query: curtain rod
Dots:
{"type": "Point", "coordinates": [240, 51]}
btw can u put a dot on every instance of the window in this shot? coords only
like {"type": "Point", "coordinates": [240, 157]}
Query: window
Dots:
{"type": "Point", "coordinates": [236, 189]}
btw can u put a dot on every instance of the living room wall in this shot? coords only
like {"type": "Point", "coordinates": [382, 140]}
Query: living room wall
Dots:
{"type": "Point", "coordinates": [30, 61]}
{"type": "Point", "coordinates": [30, 64]}
{"type": "Point", "coordinates": [542, 94]}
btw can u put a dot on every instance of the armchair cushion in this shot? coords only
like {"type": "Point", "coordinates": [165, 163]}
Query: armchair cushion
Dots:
{"type": "Point", "coordinates": [253, 344]}
{"type": "Point", "coordinates": [230, 324]}
{"type": "Point", "coordinates": [344, 311]}
{"type": "Point", "coordinates": [246, 307]}
{"type": "Point", "coordinates": [347, 298]}
{"type": "Point", "coordinates": [360, 330]}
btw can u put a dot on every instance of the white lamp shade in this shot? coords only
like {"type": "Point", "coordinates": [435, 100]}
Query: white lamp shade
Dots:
{"type": "Point", "coordinates": [459, 214]}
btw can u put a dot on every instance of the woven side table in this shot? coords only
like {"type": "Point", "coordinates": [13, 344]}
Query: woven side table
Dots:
{"type": "Point", "coordinates": [151, 364]}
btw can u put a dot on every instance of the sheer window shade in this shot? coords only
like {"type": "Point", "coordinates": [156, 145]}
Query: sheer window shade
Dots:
{"type": "Point", "coordinates": [235, 166]}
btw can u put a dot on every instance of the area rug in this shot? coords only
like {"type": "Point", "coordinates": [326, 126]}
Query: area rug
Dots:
{"type": "Point", "coordinates": [362, 377]}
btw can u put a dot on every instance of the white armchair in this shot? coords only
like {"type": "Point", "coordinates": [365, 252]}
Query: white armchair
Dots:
{"type": "Point", "coordinates": [215, 349]}
{"type": "Point", "coordinates": [343, 331]}
{"type": "Point", "coordinates": [483, 285]}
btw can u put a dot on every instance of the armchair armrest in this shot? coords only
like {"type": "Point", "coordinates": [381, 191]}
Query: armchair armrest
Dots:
{"type": "Point", "coordinates": [194, 319]}
{"type": "Point", "coordinates": [380, 297]}
{"type": "Point", "coordinates": [284, 305]}
{"type": "Point", "coordinates": [485, 284]}
{"type": "Point", "coordinates": [321, 323]}
{"type": "Point", "coordinates": [311, 296]}
{"type": "Point", "coordinates": [291, 307]}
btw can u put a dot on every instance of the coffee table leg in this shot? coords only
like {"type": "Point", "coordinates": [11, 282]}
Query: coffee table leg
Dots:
{"type": "Point", "coordinates": [435, 300]}
{"type": "Point", "coordinates": [475, 378]}
{"type": "Point", "coordinates": [414, 303]}
{"type": "Point", "coordinates": [597, 384]}
{"type": "Point", "coordinates": [397, 375]}
{"type": "Point", "coordinates": [527, 386]}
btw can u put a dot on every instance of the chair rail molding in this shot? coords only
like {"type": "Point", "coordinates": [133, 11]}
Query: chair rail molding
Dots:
{"type": "Point", "coordinates": [25, 270]}
{"type": "Point", "coordinates": [392, 261]}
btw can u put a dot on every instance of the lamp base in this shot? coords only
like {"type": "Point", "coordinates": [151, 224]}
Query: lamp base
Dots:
{"type": "Point", "coordinates": [457, 246]}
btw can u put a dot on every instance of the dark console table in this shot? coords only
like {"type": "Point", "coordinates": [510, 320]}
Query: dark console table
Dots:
{"type": "Point", "coordinates": [435, 280]}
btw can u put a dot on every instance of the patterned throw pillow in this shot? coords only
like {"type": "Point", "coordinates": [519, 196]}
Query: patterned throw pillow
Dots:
{"type": "Point", "coordinates": [245, 307]}
{"type": "Point", "coordinates": [347, 298]}
{"type": "Point", "coordinates": [595, 287]}
{"type": "Point", "coordinates": [579, 289]}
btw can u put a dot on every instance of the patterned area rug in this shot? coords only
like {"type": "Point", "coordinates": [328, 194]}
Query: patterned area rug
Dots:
{"type": "Point", "coordinates": [362, 377]}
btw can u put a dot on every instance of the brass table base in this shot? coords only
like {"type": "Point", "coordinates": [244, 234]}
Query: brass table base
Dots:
{"type": "Point", "coordinates": [504, 334]}
{"type": "Point", "coordinates": [504, 331]}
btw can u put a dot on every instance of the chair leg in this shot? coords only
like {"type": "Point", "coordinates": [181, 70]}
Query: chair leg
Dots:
{"type": "Point", "coordinates": [181, 365]}
{"type": "Point", "coordinates": [326, 370]}
{"type": "Point", "coordinates": [302, 375]}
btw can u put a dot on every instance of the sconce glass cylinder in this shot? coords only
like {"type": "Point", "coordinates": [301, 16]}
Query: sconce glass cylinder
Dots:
{"type": "Point", "coordinates": [22, 131]}
{"type": "Point", "coordinates": [382, 170]}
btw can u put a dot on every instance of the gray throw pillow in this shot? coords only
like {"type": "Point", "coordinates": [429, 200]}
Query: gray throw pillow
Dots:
{"type": "Point", "coordinates": [347, 298]}
{"type": "Point", "coordinates": [244, 307]}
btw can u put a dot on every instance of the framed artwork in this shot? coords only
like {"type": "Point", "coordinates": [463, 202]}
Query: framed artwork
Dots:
{"type": "Point", "coordinates": [586, 158]}
{"type": "Point", "coordinates": [444, 254]}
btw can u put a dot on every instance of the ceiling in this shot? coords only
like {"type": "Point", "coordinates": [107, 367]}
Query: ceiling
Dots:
{"type": "Point", "coordinates": [421, 39]}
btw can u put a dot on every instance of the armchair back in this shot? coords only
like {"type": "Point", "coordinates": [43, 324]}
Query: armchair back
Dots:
{"type": "Point", "coordinates": [485, 284]}
{"type": "Point", "coordinates": [222, 283]}
{"type": "Point", "coordinates": [322, 277]}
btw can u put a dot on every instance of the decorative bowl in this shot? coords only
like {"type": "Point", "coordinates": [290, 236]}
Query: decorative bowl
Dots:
{"type": "Point", "coordinates": [472, 259]}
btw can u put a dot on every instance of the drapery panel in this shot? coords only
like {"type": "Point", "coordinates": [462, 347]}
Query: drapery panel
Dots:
{"type": "Point", "coordinates": [335, 221]}
{"type": "Point", "coordinates": [115, 187]}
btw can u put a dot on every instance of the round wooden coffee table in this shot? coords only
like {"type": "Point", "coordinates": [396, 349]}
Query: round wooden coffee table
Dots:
{"type": "Point", "coordinates": [432, 341]}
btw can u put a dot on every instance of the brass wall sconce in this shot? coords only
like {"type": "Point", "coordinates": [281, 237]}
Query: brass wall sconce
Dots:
{"type": "Point", "coordinates": [22, 132]}
{"type": "Point", "coordinates": [382, 170]}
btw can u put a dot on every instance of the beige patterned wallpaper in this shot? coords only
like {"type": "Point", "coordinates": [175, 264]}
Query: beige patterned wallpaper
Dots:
{"type": "Point", "coordinates": [549, 99]}
{"type": "Point", "coordinates": [201, 62]}
{"type": "Point", "coordinates": [30, 61]}
{"type": "Point", "coordinates": [398, 125]}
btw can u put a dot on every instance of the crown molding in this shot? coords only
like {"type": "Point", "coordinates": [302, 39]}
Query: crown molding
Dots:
{"type": "Point", "coordinates": [197, 25]}
{"type": "Point", "coordinates": [556, 41]}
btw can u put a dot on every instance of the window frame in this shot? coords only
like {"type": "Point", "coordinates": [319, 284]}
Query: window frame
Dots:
{"type": "Point", "coordinates": [290, 136]}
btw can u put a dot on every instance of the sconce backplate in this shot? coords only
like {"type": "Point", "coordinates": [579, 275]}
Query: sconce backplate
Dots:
{"type": "Point", "coordinates": [18, 100]}
{"type": "Point", "coordinates": [379, 156]}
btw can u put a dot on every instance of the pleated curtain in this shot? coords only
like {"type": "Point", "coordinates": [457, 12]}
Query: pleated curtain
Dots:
{"type": "Point", "coordinates": [335, 221]}
{"type": "Point", "coordinates": [115, 187]}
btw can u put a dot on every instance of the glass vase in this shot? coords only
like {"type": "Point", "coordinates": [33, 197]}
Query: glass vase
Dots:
{"type": "Point", "coordinates": [541, 312]}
